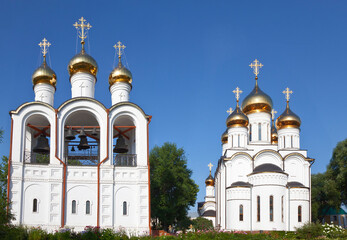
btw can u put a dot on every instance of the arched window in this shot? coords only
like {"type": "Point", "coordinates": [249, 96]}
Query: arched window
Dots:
{"type": "Point", "coordinates": [250, 132]}
{"type": "Point", "coordinates": [238, 140]}
{"type": "Point", "coordinates": [241, 213]}
{"type": "Point", "coordinates": [88, 207]}
{"type": "Point", "coordinates": [271, 208]}
{"type": "Point", "coordinates": [232, 140]}
{"type": "Point", "coordinates": [282, 215]}
{"type": "Point", "coordinates": [259, 131]}
{"type": "Point", "coordinates": [258, 208]}
{"type": "Point", "coordinates": [299, 214]}
{"type": "Point", "coordinates": [125, 208]}
{"type": "Point", "coordinates": [284, 141]}
{"type": "Point", "coordinates": [35, 205]}
{"type": "Point", "coordinates": [73, 207]}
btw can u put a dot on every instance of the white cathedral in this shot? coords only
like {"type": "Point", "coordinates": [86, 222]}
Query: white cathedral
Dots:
{"type": "Point", "coordinates": [263, 178]}
{"type": "Point", "coordinates": [80, 164]}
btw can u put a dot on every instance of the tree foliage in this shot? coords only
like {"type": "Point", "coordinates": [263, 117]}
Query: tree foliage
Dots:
{"type": "Point", "coordinates": [172, 189]}
{"type": "Point", "coordinates": [201, 223]}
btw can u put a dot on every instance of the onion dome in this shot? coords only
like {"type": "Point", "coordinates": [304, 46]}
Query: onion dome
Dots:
{"type": "Point", "coordinates": [120, 73]}
{"type": "Point", "coordinates": [209, 181]}
{"type": "Point", "coordinates": [44, 74]}
{"type": "Point", "coordinates": [288, 119]}
{"type": "Point", "coordinates": [237, 118]}
{"type": "Point", "coordinates": [274, 135]}
{"type": "Point", "coordinates": [257, 101]}
{"type": "Point", "coordinates": [82, 62]}
{"type": "Point", "coordinates": [224, 137]}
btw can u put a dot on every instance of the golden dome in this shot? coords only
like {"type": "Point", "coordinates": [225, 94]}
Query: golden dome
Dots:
{"type": "Point", "coordinates": [44, 74]}
{"type": "Point", "coordinates": [257, 101]}
{"type": "Point", "coordinates": [209, 181]}
{"type": "Point", "coordinates": [82, 62]}
{"type": "Point", "coordinates": [274, 136]}
{"type": "Point", "coordinates": [237, 118]}
{"type": "Point", "coordinates": [288, 119]}
{"type": "Point", "coordinates": [120, 74]}
{"type": "Point", "coordinates": [225, 137]}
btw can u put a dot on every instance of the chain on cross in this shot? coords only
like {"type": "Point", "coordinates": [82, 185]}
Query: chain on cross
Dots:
{"type": "Point", "coordinates": [230, 111]}
{"type": "Point", "coordinates": [210, 167]}
{"type": "Point", "coordinates": [44, 45]}
{"type": "Point", "coordinates": [119, 47]}
{"type": "Point", "coordinates": [287, 93]}
{"type": "Point", "coordinates": [256, 65]}
{"type": "Point", "coordinates": [83, 26]}
{"type": "Point", "coordinates": [237, 92]}
{"type": "Point", "coordinates": [273, 112]}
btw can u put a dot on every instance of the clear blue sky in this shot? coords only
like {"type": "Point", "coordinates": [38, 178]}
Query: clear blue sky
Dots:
{"type": "Point", "coordinates": [186, 57]}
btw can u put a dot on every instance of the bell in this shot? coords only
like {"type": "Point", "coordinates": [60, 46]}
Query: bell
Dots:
{"type": "Point", "coordinates": [83, 142]}
{"type": "Point", "coordinates": [69, 135]}
{"type": "Point", "coordinates": [73, 149]}
{"type": "Point", "coordinates": [120, 147]}
{"type": "Point", "coordinates": [42, 145]}
{"type": "Point", "coordinates": [94, 132]}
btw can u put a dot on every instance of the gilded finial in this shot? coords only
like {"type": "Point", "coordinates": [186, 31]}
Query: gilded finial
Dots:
{"type": "Point", "coordinates": [230, 111]}
{"type": "Point", "coordinates": [44, 45]}
{"type": "Point", "coordinates": [210, 167]}
{"type": "Point", "coordinates": [273, 112]}
{"type": "Point", "coordinates": [82, 26]}
{"type": "Point", "coordinates": [237, 92]}
{"type": "Point", "coordinates": [119, 49]}
{"type": "Point", "coordinates": [287, 93]}
{"type": "Point", "coordinates": [256, 65]}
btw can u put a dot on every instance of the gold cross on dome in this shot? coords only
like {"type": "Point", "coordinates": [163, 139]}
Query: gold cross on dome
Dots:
{"type": "Point", "coordinates": [44, 45]}
{"type": "Point", "coordinates": [273, 112]}
{"type": "Point", "coordinates": [230, 111]}
{"type": "Point", "coordinates": [287, 93]}
{"type": "Point", "coordinates": [83, 26]}
{"type": "Point", "coordinates": [119, 47]}
{"type": "Point", "coordinates": [210, 167]}
{"type": "Point", "coordinates": [256, 65]}
{"type": "Point", "coordinates": [237, 92]}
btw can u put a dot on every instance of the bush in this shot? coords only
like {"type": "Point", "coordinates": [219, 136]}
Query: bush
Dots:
{"type": "Point", "coordinates": [334, 231]}
{"type": "Point", "coordinates": [201, 223]}
{"type": "Point", "coordinates": [309, 231]}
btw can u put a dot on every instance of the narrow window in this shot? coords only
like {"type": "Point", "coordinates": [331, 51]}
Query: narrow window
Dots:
{"type": "Point", "coordinates": [282, 216]}
{"type": "Point", "coordinates": [73, 207]}
{"type": "Point", "coordinates": [267, 132]}
{"type": "Point", "coordinates": [258, 208]}
{"type": "Point", "coordinates": [35, 205]}
{"type": "Point", "coordinates": [259, 131]}
{"type": "Point", "coordinates": [241, 213]}
{"type": "Point", "coordinates": [238, 140]}
{"type": "Point", "coordinates": [250, 132]}
{"type": "Point", "coordinates": [88, 207]}
{"type": "Point", "coordinates": [271, 208]}
{"type": "Point", "coordinates": [232, 140]}
{"type": "Point", "coordinates": [299, 214]}
{"type": "Point", "coordinates": [284, 141]}
{"type": "Point", "coordinates": [125, 210]}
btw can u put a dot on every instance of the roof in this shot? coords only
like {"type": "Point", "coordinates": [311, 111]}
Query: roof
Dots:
{"type": "Point", "coordinates": [332, 211]}
{"type": "Point", "coordinates": [240, 184]}
{"type": "Point", "coordinates": [296, 185]}
{"type": "Point", "coordinates": [200, 204]}
{"type": "Point", "coordinates": [209, 213]}
{"type": "Point", "coordinates": [267, 167]}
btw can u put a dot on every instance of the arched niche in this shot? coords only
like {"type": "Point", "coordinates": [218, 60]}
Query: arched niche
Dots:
{"type": "Point", "coordinates": [37, 139]}
{"type": "Point", "coordinates": [297, 169]}
{"type": "Point", "coordinates": [124, 131]}
{"type": "Point", "coordinates": [240, 167]}
{"type": "Point", "coordinates": [81, 137]}
{"type": "Point", "coordinates": [268, 156]}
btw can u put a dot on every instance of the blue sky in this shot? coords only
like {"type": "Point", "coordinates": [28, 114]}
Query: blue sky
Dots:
{"type": "Point", "coordinates": [186, 57]}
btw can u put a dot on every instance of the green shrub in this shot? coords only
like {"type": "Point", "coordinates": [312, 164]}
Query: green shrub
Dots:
{"type": "Point", "coordinates": [309, 231]}
{"type": "Point", "coordinates": [201, 223]}
{"type": "Point", "coordinates": [37, 234]}
{"type": "Point", "coordinates": [334, 231]}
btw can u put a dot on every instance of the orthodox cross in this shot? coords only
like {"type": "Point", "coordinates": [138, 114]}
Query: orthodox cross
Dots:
{"type": "Point", "coordinates": [287, 93]}
{"type": "Point", "coordinates": [83, 26]}
{"type": "Point", "coordinates": [119, 47]}
{"type": "Point", "coordinates": [121, 95]}
{"type": "Point", "coordinates": [230, 111]}
{"type": "Point", "coordinates": [42, 97]}
{"type": "Point", "coordinates": [237, 92]}
{"type": "Point", "coordinates": [82, 86]}
{"type": "Point", "coordinates": [273, 112]}
{"type": "Point", "coordinates": [210, 167]}
{"type": "Point", "coordinates": [44, 45]}
{"type": "Point", "coordinates": [256, 65]}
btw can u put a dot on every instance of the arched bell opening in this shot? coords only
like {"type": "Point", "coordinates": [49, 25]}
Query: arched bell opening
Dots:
{"type": "Point", "coordinates": [124, 142]}
{"type": "Point", "coordinates": [37, 140]}
{"type": "Point", "coordinates": [82, 139]}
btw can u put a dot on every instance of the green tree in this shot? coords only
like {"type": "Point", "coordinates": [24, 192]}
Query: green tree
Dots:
{"type": "Point", "coordinates": [172, 189]}
{"type": "Point", "coordinates": [337, 170]}
{"type": "Point", "coordinates": [201, 223]}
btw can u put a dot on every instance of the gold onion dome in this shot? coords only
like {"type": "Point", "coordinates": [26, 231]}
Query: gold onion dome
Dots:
{"type": "Point", "coordinates": [288, 119]}
{"type": "Point", "coordinates": [237, 118]}
{"type": "Point", "coordinates": [257, 101]}
{"type": "Point", "coordinates": [224, 137]}
{"type": "Point", "coordinates": [82, 62]}
{"type": "Point", "coordinates": [44, 74]}
{"type": "Point", "coordinates": [209, 181]}
{"type": "Point", "coordinates": [120, 74]}
{"type": "Point", "coordinates": [274, 135]}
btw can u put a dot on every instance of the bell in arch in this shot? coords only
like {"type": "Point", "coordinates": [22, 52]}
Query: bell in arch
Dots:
{"type": "Point", "coordinates": [73, 149]}
{"type": "Point", "coordinates": [42, 145]}
{"type": "Point", "coordinates": [120, 147]}
{"type": "Point", "coordinates": [83, 142]}
{"type": "Point", "coordinates": [69, 135]}
{"type": "Point", "coordinates": [94, 132]}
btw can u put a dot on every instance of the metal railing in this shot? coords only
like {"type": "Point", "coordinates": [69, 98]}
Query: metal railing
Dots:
{"type": "Point", "coordinates": [36, 158]}
{"type": "Point", "coordinates": [125, 160]}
